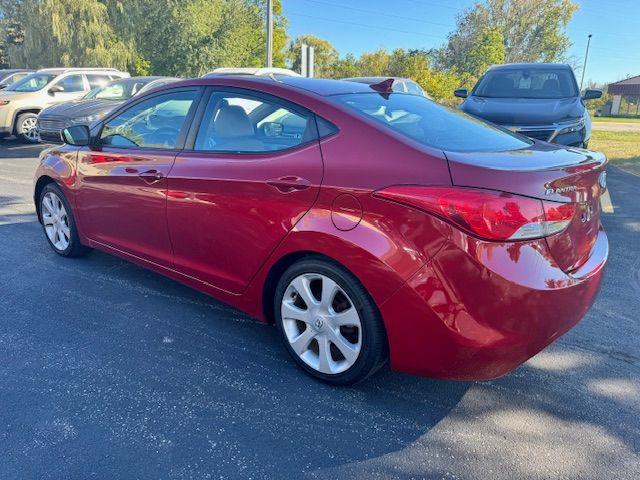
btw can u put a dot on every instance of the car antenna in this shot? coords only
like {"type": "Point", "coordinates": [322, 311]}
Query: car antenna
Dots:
{"type": "Point", "coordinates": [384, 87]}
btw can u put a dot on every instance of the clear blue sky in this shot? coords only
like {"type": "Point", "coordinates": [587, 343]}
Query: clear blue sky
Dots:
{"type": "Point", "coordinates": [356, 26]}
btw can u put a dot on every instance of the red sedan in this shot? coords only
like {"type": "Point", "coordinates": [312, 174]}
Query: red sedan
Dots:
{"type": "Point", "coordinates": [367, 225]}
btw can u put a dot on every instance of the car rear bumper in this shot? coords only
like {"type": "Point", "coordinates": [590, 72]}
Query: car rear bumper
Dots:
{"type": "Point", "coordinates": [480, 309]}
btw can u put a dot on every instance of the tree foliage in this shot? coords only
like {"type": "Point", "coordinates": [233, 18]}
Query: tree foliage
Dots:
{"type": "Point", "coordinates": [167, 37]}
{"type": "Point", "coordinates": [47, 33]}
{"type": "Point", "coordinates": [531, 31]}
{"type": "Point", "coordinates": [325, 55]}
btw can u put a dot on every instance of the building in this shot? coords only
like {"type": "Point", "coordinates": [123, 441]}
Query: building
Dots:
{"type": "Point", "coordinates": [626, 97]}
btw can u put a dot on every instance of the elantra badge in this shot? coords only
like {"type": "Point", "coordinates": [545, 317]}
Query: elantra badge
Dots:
{"type": "Point", "coordinates": [560, 190]}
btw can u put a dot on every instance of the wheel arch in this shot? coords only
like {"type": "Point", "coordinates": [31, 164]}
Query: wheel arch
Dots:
{"type": "Point", "coordinates": [378, 279]}
{"type": "Point", "coordinates": [42, 182]}
{"type": "Point", "coordinates": [19, 112]}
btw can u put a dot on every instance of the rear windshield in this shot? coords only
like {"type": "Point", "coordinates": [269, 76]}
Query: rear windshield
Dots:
{"type": "Point", "coordinates": [431, 124]}
{"type": "Point", "coordinates": [527, 83]}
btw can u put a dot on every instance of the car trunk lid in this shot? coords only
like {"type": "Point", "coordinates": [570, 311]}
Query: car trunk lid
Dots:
{"type": "Point", "coordinates": [550, 174]}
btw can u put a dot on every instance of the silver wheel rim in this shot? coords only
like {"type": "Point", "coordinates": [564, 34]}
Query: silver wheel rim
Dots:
{"type": "Point", "coordinates": [30, 128]}
{"type": "Point", "coordinates": [321, 323]}
{"type": "Point", "coordinates": [55, 221]}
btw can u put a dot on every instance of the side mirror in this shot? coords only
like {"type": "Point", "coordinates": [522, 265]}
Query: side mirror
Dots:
{"type": "Point", "coordinates": [461, 93]}
{"type": "Point", "coordinates": [77, 135]}
{"type": "Point", "coordinates": [592, 94]}
{"type": "Point", "coordinates": [55, 89]}
{"type": "Point", "coordinates": [3, 86]}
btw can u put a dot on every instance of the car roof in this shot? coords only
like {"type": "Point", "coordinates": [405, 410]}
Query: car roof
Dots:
{"type": "Point", "coordinates": [251, 71]}
{"type": "Point", "coordinates": [519, 66]}
{"type": "Point", "coordinates": [61, 70]}
{"type": "Point", "coordinates": [319, 86]}
{"type": "Point", "coordinates": [375, 79]}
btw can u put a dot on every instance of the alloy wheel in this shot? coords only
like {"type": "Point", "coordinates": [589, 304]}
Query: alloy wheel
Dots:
{"type": "Point", "coordinates": [29, 129]}
{"type": "Point", "coordinates": [56, 221]}
{"type": "Point", "coordinates": [321, 323]}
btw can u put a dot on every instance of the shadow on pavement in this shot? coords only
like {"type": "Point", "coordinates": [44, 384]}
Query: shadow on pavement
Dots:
{"type": "Point", "coordinates": [102, 360]}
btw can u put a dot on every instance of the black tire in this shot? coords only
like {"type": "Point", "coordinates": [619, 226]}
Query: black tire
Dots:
{"type": "Point", "coordinates": [374, 347]}
{"type": "Point", "coordinates": [74, 248]}
{"type": "Point", "coordinates": [21, 129]}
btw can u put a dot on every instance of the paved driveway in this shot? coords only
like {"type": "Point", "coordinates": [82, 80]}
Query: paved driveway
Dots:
{"type": "Point", "coordinates": [108, 371]}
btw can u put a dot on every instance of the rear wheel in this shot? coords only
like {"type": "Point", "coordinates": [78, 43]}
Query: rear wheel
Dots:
{"type": "Point", "coordinates": [329, 323]}
{"type": "Point", "coordinates": [27, 127]}
{"type": "Point", "coordinates": [58, 223]}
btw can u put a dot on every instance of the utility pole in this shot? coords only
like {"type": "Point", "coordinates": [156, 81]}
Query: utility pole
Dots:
{"type": "Point", "coordinates": [584, 67]}
{"type": "Point", "coordinates": [269, 33]}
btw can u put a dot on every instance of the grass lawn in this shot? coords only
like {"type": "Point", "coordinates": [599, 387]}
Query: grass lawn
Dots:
{"type": "Point", "coordinates": [615, 119]}
{"type": "Point", "coordinates": [621, 148]}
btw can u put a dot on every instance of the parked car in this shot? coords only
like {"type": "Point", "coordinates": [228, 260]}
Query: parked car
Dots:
{"type": "Point", "coordinates": [12, 75]}
{"type": "Point", "coordinates": [364, 224]}
{"type": "Point", "coordinates": [94, 105]}
{"type": "Point", "coordinates": [21, 102]}
{"type": "Point", "coordinates": [250, 71]}
{"type": "Point", "coordinates": [400, 85]}
{"type": "Point", "coordinates": [539, 100]}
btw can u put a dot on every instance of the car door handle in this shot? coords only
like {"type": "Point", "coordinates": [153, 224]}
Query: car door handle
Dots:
{"type": "Point", "coordinates": [151, 176]}
{"type": "Point", "coordinates": [289, 184]}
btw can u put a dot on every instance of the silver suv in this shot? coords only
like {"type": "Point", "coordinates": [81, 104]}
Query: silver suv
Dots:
{"type": "Point", "coordinates": [21, 102]}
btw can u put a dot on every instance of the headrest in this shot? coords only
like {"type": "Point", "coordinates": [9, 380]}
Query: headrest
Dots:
{"type": "Point", "coordinates": [232, 121]}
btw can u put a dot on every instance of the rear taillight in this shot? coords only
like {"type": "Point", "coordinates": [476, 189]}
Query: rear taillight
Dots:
{"type": "Point", "coordinates": [487, 214]}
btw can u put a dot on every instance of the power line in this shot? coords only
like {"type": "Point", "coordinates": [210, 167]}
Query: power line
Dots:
{"type": "Point", "coordinates": [345, 22]}
{"type": "Point", "coordinates": [384, 14]}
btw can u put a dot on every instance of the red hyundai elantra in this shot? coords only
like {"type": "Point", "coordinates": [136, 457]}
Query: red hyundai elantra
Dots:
{"type": "Point", "coordinates": [366, 224]}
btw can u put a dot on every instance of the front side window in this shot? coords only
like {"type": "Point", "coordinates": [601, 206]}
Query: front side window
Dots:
{"type": "Point", "coordinates": [72, 83]}
{"type": "Point", "coordinates": [152, 123]}
{"type": "Point", "coordinates": [32, 82]}
{"type": "Point", "coordinates": [527, 83]}
{"type": "Point", "coordinates": [238, 123]}
{"type": "Point", "coordinates": [430, 124]}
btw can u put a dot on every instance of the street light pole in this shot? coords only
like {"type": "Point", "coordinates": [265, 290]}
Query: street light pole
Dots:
{"type": "Point", "coordinates": [584, 67]}
{"type": "Point", "coordinates": [269, 33]}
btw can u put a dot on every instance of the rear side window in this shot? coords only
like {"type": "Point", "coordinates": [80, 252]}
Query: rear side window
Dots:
{"type": "Point", "coordinates": [431, 124]}
{"type": "Point", "coordinates": [96, 80]}
{"type": "Point", "coordinates": [72, 83]}
{"type": "Point", "coordinates": [244, 124]}
{"type": "Point", "coordinates": [152, 123]}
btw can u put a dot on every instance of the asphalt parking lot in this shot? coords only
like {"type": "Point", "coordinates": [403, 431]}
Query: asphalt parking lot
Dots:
{"type": "Point", "coordinates": [109, 371]}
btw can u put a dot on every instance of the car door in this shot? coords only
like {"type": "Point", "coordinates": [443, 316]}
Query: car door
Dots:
{"type": "Point", "coordinates": [122, 177]}
{"type": "Point", "coordinates": [252, 169]}
{"type": "Point", "coordinates": [73, 86]}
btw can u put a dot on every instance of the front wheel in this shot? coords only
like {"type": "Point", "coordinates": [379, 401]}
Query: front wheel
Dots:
{"type": "Point", "coordinates": [27, 127]}
{"type": "Point", "coordinates": [58, 223]}
{"type": "Point", "coordinates": [329, 323]}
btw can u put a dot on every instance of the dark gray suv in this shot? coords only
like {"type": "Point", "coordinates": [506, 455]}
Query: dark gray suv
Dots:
{"type": "Point", "coordinates": [539, 100]}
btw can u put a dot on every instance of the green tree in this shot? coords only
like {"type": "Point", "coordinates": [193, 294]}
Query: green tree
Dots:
{"type": "Point", "coordinates": [191, 37]}
{"type": "Point", "coordinates": [345, 67]}
{"type": "Point", "coordinates": [325, 55]}
{"type": "Point", "coordinates": [45, 33]}
{"type": "Point", "coordinates": [532, 31]}
{"type": "Point", "coordinates": [489, 49]}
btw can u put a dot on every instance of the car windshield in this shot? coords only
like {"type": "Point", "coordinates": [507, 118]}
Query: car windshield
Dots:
{"type": "Point", "coordinates": [117, 89]}
{"type": "Point", "coordinates": [432, 124]}
{"type": "Point", "coordinates": [32, 83]}
{"type": "Point", "coordinates": [527, 83]}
